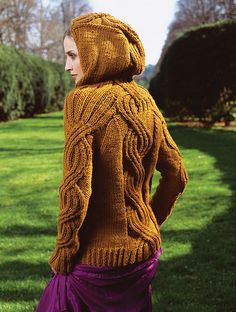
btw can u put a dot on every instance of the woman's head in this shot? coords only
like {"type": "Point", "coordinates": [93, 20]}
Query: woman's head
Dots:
{"type": "Point", "coordinates": [72, 63]}
{"type": "Point", "coordinates": [101, 48]}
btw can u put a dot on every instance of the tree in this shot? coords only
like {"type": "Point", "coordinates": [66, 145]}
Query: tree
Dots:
{"type": "Point", "coordinates": [30, 27]}
{"type": "Point", "coordinates": [196, 12]}
{"type": "Point", "coordinates": [16, 19]}
{"type": "Point", "coordinates": [73, 8]}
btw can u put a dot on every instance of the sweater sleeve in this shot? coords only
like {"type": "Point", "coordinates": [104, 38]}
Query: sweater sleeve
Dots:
{"type": "Point", "coordinates": [173, 179]}
{"type": "Point", "coordinates": [74, 194]}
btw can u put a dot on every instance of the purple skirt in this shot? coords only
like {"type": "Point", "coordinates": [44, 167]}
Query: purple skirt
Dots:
{"type": "Point", "coordinates": [101, 289]}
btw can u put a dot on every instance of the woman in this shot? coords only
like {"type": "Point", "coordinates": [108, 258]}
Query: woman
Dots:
{"type": "Point", "coordinates": [108, 240]}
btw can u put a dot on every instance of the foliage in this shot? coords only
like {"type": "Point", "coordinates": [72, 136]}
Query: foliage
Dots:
{"type": "Point", "coordinates": [29, 84]}
{"type": "Point", "coordinates": [144, 78]}
{"type": "Point", "coordinates": [196, 69]}
{"type": "Point", "coordinates": [191, 13]}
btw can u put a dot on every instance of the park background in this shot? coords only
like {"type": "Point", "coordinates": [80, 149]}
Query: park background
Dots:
{"type": "Point", "coordinates": [191, 73]}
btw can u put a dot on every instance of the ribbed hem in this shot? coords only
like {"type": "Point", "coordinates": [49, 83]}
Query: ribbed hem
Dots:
{"type": "Point", "coordinates": [117, 256]}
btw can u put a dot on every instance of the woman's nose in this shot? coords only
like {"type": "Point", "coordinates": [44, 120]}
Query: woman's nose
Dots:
{"type": "Point", "coordinates": [68, 65]}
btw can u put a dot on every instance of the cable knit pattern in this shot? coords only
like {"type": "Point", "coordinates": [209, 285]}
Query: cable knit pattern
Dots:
{"type": "Point", "coordinates": [115, 138]}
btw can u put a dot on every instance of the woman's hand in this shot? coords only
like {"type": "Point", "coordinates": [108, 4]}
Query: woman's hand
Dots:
{"type": "Point", "coordinates": [55, 272]}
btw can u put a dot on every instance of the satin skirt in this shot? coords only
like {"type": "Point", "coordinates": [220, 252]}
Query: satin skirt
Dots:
{"type": "Point", "coordinates": [101, 289]}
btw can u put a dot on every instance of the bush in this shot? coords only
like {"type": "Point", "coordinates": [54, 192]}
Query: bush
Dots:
{"type": "Point", "coordinates": [29, 84]}
{"type": "Point", "coordinates": [196, 69]}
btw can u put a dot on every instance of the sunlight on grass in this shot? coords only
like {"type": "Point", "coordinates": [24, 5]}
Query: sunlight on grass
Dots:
{"type": "Point", "coordinates": [180, 250]}
{"type": "Point", "coordinates": [195, 271]}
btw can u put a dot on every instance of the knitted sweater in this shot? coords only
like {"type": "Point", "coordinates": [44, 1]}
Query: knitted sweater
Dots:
{"type": "Point", "coordinates": [115, 138]}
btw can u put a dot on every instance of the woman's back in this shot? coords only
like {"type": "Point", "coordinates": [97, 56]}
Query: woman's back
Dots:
{"type": "Point", "coordinates": [113, 133]}
{"type": "Point", "coordinates": [108, 240]}
{"type": "Point", "coordinates": [120, 226]}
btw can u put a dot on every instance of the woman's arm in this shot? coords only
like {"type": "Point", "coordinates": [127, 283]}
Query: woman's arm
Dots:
{"type": "Point", "coordinates": [74, 193]}
{"type": "Point", "coordinates": [173, 180]}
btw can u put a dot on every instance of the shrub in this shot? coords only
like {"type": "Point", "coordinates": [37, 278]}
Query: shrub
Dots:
{"type": "Point", "coordinates": [29, 84]}
{"type": "Point", "coordinates": [196, 69]}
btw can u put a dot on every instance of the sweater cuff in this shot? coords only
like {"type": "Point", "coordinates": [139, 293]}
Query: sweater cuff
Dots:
{"type": "Point", "coordinates": [62, 259]}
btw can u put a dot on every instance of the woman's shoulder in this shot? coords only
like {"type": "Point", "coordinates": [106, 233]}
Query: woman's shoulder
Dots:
{"type": "Point", "coordinates": [138, 101]}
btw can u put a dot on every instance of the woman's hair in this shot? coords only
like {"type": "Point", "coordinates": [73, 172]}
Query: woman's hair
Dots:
{"type": "Point", "coordinates": [67, 33]}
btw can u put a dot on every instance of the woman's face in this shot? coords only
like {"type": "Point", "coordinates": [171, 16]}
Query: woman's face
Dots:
{"type": "Point", "coordinates": [72, 59]}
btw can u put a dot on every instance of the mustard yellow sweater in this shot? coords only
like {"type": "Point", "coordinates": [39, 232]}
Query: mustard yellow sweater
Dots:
{"type": "Point", "coordinates": [115, 138]}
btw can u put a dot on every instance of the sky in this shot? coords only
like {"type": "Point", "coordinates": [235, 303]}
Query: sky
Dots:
{"type": "Point", "coordinates": [149, 18]}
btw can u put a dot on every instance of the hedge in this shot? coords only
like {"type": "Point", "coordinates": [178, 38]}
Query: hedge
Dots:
{"type": "Point", "coordinates": [197, 76]}
{"type": "Point", "coordinates": [30, 85]}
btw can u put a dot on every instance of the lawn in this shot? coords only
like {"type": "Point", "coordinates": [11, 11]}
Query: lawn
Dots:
{"type": "Point", "coordinates": [197, 269]}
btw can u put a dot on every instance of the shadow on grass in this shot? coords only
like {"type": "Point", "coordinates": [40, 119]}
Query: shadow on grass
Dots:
{"type": "Point", "coordinates": [19, 295]}
{"type": "Point", "coordinates": [203, 280]}
{"type": "Point", "coordinates": [50, 117]}
{"type": "Point", "coordinates": [27, 230]}
{"type": "Point", "coordinates": [31, 151]}
{"type": "Point", "coordinates": [28, 272]}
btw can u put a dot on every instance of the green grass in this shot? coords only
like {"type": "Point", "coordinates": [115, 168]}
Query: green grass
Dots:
{"type": "Point", "coordinates": [196, 271]}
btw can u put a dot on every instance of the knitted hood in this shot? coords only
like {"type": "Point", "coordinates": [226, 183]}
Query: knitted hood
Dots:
{"type": "Point", "coordinates": [108, 48]}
